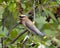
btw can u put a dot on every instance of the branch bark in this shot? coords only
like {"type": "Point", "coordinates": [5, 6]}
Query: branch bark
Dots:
{"type": "Point", "coordinates": [12, 28]}
{"type": "Point", "coordinates": [18, 36]}
{"type": "Point", "coordinates": [2, 42]}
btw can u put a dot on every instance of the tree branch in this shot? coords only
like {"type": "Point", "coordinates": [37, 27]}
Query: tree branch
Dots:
{"type": "Point", "coordinates": [18, 36]}
{"type": "Point", "coordinates": [12, 28]}
{"type": "Point", "coordinates": [2, 42]}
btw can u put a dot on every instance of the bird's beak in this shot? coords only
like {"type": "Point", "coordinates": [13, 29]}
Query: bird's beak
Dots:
{"type": "Point", "coordinates": [20, 16]}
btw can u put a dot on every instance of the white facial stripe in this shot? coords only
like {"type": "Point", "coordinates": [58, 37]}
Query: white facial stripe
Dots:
{"type": "Point", "coordinates": [23, 15]}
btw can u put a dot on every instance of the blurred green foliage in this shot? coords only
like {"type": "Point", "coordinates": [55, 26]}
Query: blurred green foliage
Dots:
{"type": "Point", "coordinates": [9, 12]}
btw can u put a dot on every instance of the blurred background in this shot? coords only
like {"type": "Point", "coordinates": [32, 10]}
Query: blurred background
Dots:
{"type": "Point", "coordinates": [45, 14]}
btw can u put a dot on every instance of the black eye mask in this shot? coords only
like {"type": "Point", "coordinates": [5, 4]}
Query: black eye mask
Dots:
{"type": "Point", "coordinates": [21, 16]}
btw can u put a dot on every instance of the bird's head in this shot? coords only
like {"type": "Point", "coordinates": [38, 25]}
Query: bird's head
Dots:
{"type": "Point", "coordinates": [22, 17]}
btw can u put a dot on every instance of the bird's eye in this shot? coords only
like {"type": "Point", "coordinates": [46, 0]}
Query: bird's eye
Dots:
{"type": "Point", "coordinates": [21, 16]}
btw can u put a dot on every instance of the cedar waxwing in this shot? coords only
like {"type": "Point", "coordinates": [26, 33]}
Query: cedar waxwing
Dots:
{"type": "Point", "coordinates": [30, 25]}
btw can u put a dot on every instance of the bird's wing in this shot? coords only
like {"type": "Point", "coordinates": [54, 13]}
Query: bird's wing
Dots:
{"type": "Point", "coordinates": [33, 28]}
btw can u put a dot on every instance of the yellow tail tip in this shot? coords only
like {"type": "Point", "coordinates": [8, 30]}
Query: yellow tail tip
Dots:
{"type": "Point", "coordinates": [45, 37]}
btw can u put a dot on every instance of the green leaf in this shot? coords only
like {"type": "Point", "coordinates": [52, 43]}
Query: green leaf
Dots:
{"type": "Point", "coordinates": [40, 21]}
{"type": "Point", "coordinates": [50, 32]}
{"type": "Point", "coordinates": [3, 33]}
{"type": "Point", "coordinates": [1, 1]}
{"type": "Point", "coordinates": [13, 34]}
{"type": "Point", "coordinates": [53, 4]}
{"type": "Point", "coordinates": [12, 6]}
{"type": "Point", "coordinates": [24, 6]}
{"type": "Point", "coordinates": [49, 13]}
{"type": "Point", "coordinates": [1, 11]}
{"type": "Point", "coordinates": [59, 27]}
{"type": "Point", "coordinates": [59, 20]}
{"type": "Point", "coordinates": [50, 46]}
{"type": "Point", "coordinates": [0, 45]}
{"type": "Point", "coordinates": [44, 1]}
{"type": "Point", "coordinates": [12, 46]}
{"type": "Point", "coordinates": [58, 1]}
{"type": "Point", "coordinates": [10, 19]}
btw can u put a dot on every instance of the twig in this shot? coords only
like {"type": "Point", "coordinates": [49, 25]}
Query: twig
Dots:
{"type": "Point", "coordinates": [32, 44]}
{"type": "Point", "coordinates": [25, 41]}
{"type": "Point", "coordinates": [2, 42]}
{"type": "Point", "coordinates": [3, 24]}
{"type": "Point", "coordinates": [12, 28]}
{"type": "Point", "coordinates": [18, 36]}
{"type": "Point", "coordinates": [34, 9]}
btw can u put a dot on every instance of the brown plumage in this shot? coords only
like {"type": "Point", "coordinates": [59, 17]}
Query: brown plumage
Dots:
{"type": "Point", "coordinates": [29, 25]}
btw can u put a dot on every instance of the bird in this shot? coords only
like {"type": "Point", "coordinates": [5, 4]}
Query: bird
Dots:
{"type": "Point", "coordinates": [30, 25]}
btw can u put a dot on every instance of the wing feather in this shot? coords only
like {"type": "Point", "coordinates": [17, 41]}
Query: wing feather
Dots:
{"type": "Point", "coordinates": [33, 28]}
